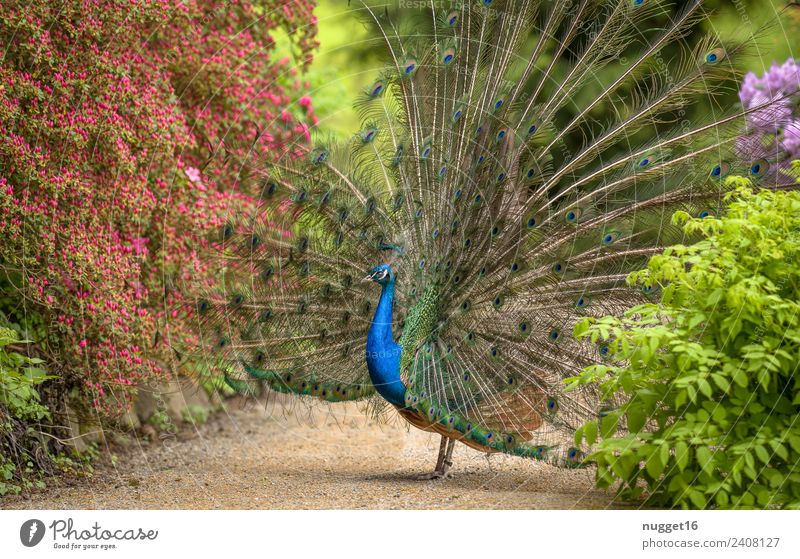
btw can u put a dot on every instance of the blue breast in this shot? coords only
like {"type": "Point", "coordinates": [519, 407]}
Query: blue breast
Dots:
{"type": "Point", "coordinates": [382, 353]}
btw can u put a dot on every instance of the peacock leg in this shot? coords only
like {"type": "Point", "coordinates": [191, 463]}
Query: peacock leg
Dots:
{"type": "Point", "coordinates": [448, 458]}
{"type": "Point", "coordinates": [438, 471]}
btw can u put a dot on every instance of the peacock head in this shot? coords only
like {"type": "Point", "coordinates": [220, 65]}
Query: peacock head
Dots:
{"type": "Point", "coordinates": [381, 274]}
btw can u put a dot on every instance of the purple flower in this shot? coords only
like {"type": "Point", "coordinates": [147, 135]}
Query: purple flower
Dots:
{"type": "Point", "coordinates": [773, 127]}
{"type": "Point", "coordinates": [774, 114]}
{"type": "Point", "coordinates": [791, 139]}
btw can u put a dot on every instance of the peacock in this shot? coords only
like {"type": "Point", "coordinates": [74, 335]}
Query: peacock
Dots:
{"type": "Point", "coordinates": [516, 161]}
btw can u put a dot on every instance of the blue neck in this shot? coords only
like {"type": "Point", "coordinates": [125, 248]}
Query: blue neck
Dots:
{"type": "Point", "coordinates": [383, 354]}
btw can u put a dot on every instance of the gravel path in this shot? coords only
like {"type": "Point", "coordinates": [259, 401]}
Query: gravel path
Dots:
{"type": "Point", "coordinates": [265, 455]}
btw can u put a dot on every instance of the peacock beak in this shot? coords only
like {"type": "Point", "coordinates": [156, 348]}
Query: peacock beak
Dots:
{"type": "Point", "coordinates": [368, 278]}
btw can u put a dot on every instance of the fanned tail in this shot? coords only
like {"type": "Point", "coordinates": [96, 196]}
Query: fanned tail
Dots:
{"type": "Point", "coordinates": [517, 160]}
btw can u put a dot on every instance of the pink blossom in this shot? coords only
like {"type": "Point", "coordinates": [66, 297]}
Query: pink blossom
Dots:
{"type": "Point", "coordinates": [193, 173]}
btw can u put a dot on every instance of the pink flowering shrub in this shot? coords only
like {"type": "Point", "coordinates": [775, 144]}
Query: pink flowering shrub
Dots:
{"type": "Point", "coordinates": [109, 114]}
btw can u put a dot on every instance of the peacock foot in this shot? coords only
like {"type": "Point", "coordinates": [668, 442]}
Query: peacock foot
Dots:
{"type": "Point", "coordinates": [436, 474]}
{"type": "Point", "coordinates": [429, 476]}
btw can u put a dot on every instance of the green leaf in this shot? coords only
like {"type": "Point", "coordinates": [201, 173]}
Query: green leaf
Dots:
{"type": "Point", "coordinates": [698, 499]}
{"type": "Point", "coordinates": [681, 455]}
{"type": "Point", "coordinates": [655, 465]}
{"type": "Point", "coordinates": [740, 378]}
{"type": "Point", "coordinates": [590, 431]}
{"type": "Point", "coordinates": [636, 419]}
{"type": "Point", "coordinates": [705, 387]}
{"type": "Point", "coordinates": [762, 453]}
{"type": "Point", "coordinates": [705, 458]}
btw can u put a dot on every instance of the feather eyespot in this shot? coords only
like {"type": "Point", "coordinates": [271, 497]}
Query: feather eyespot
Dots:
{"type": "Point", "coordinates": [573, 215]}
{"type": "Point", "coordinates": [498, 302]}
{"type": "Point", "coordinates": [409, 66]}
{"type": "Point", "coordinates": [705, 213]}
{"type": "Point", "coordinates": [368, 134]}
{"type": "Point", "coordinates": [376, 89]}
{"type": "Point", "coordinates": [318, 156]}
{"type": "Point", "coordinates": [226, 232]}
{"type": "Point", "coordinates": [552, 405]}
{"type": "Point", "coordinates": [532, 129]}
{"type": "Point", "coordinates": [714, 56]}
{"type": "Point", "coordinates": [452, 19]}
{"type": "Point", "coordinates": [398, 156]}
{"type": "Point", "coordinates": [270, 189]}
{"type": "Point", "coordinates": [759, 168]}
{"type": "Point", "coordinates": [554, 335]}
{"type": "Point", "coordinates": [300, 197]}
{"type": "Point", "coordinates": [648, 289]}
{"type": "Point", "coordinates": [559, 267]}
{"type": "Point", "coordinates": [582, 302]}
{"type": "Point", "coordinates": [203, 306]}
{"type": "Point", "coordinates": [448, 55]}
{"type": "Point", "coordinates": [603, 350]}
{"type": "Point", "coordinates": [610, 237]}
{"type": "Point", "coordinates": [494, 352]}
{"type": "Point", "coordinates": [302, 244]}
{"type": "Point", "coordinates": [720, 171]}
{"type": "Point", "coordinates": [425, 151]}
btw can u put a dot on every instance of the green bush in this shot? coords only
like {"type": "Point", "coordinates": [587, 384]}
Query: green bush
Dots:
{"type": "Point", "coordinates": [20, 407]}
{"type": "Point", "coordinates": [706, 380]}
